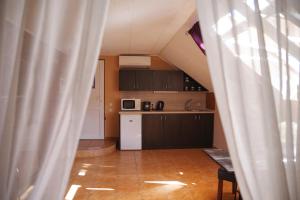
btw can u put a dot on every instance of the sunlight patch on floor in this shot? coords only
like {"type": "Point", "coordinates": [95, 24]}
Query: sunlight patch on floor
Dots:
{"type": "Point", "coordinates": [82, 172]}
{"type": "Point", "coordinates": [86, 165]}
{"type": "Point", "coordinates": [72, 192]}
{"type": "Point", "coordinates": [101, 189]}
{"type": "Point", "coordinates": [166, 182]}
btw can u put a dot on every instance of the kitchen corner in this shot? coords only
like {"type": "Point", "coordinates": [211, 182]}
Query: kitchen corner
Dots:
{"type": "Point", "coordinates": [163, 109]}
{"type": "Point", "coordinates": [185, 125]}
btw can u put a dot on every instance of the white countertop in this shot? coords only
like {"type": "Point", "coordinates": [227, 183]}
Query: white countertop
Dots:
{"type": "Point", "coordinates": [165, 112]}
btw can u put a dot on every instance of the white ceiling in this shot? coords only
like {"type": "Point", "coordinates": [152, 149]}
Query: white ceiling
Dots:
{"type": "Point", "coordinates": [143, 26]}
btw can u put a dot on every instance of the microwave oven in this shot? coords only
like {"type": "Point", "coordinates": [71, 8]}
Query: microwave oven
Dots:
{"type": "Point", "coordinates": [130, 104]}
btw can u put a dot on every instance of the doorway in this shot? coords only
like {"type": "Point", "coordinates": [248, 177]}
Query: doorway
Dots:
{"type": "Point", "coordinates": [93, 127]}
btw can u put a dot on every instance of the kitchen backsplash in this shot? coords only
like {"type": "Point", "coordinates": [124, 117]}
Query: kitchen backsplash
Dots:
{"type": "Point", "coordinates": [173, 100]}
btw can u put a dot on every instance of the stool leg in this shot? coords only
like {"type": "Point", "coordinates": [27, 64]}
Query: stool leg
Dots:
{"type": "Point", "coordinates": [220, 190]}
{"type": "Point", "coordinates": [240, 196]}
{"type": "Point", "coordinates": [234, 187]}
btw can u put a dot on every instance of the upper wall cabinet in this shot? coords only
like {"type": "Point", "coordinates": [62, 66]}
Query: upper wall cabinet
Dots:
{"type": "Point", "coordinates": [144, 80]}
{"type": "Point", "coordinates": [141, 80]}
{"type": "Point", "coordinates": [168, 80]}
{"type": "Point", "coordinates": [127, 80]}
{"type": "Point", "coordinates": [156, 80]}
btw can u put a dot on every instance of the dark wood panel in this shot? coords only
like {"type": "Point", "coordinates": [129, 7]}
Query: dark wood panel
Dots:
{"type": "Point", "coordinates": [207, 126]}
{"type": "Point", "coordinates": [150, 80]}
{"type": "Point", "coordinates": [190, 131]}
{"type": "Point", "coordinates": [126, 80]}
{"type": "Point", "coordinates": [144, 80]}
{"type": "Point", "coordinates": [175, 81]}
{"type": "Point", "coordinates": [152, 132]}
{"type": "Point", "coordinates": [160, 80]}
{"type": "Point", "coordinates": [210, 101]}
{"type": "Point", "coordinates": [172, 136]}
{"type": "Point", "coordinates": [177, 131]}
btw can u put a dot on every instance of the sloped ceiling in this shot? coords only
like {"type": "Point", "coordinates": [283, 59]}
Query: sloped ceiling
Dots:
{"type": "Point", "coordinates": [156, 27]}
{"type": "Point", "coordinates": [182, 52]}
{"type": "Point", "coordinates": [143, 26]}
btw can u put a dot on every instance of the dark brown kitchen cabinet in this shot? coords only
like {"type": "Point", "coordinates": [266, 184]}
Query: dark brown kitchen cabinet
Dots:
{"type": "Point", "coordinates": [175, 82]}
{"type": "Point", "coordinates": [167, 80]}
{"type": "Point", "coordinates": [160, 131]}
{"type": "Point", "coordinates": [144, 80]}
{"type": "Point", "coordinates": [172, 125]}
{"type": "Point", "coordinates": [197, 130]}
{"type": "Point", "coordinates": [137, 80]}
{"type": "Point", "coordinates": [207, 124]}
{"type": "Point", "coordinates": [177, 131]}
{"type": "Point", "coordinates": [191, 131]}
{"type": "Point", "coordinates": [127, 80]}
{"type": "Point", "coordinates": [152, 132]}
{"type": "Point", "coordinates": [157, 80]}
{"type": "Point", "coordinates": [160, 80]}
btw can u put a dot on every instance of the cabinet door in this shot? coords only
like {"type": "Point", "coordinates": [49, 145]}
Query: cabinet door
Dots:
{"type": "Point", "coordinates": [126, 80]}
{"type": "Point", "coordinates": [172, 124]}
{"type": "Point", "coordinates": [191, 131]}
{"type": "Point", "coordinates": [207, 126]}
{"type": "Point", "coordinates": [160, 80]}
{"type": "Point", "coordinates": [175, 81]}
{"type": "Point", "coordinates": [144, 80]}
{"type": "Point", "coordinates": [152, 131]}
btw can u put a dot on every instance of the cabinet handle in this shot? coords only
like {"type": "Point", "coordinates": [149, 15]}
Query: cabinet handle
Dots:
{"type": "Point", "coordinates": [195, 117]}
{"type": "Point", "coordinates": [131, 120]}
{"type": "Point", "coordinates": [199, 117]}
{"type": "Point", "coordinates": [161, 117]}
{"type": "Point", "coordinates": [165, 117]}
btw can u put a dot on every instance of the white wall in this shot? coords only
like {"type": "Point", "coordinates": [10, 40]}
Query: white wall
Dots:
{"type": "Point", "coordinates": [183, 52]}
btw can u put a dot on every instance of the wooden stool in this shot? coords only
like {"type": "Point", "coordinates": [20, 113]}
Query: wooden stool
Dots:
{"type": "Point", "coordinates": [223, 174]}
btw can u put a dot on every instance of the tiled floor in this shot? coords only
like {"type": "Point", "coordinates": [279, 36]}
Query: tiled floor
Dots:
{"type": "Point", "coordinates": [148, 174]}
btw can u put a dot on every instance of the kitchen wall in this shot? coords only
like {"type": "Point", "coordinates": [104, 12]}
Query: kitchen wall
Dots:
{"type": "Point", "coordinates": [112, 93]}
{"type": "Point", "coordinates": [173, 101]}
{"type": "Point", "coordinates": [219, 137]}
{"type": "Point", "coordinates": [111, 96]}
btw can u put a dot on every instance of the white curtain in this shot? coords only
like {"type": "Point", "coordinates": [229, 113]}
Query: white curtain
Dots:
{"type": "Point", "coordinates": [48, 55]}
{"type": "Point", "coordinates": [253, 52]}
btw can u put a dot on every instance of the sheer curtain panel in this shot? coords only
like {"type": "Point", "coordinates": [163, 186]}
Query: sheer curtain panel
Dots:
{"type": "Point", "coordinates": [48, 55]}
{"type": "Point", "coordinates": [253, 51]}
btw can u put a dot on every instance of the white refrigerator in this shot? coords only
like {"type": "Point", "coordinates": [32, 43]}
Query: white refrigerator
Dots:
{"type": "Point", "coordinates": [131, 131]}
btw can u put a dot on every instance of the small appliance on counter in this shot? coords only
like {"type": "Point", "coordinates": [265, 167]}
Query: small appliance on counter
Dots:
{"type": "Point", "coordinates": [146, 105]}
{"type": "Point", "coordinates": [160, 106]}
{"type": "Point", "coordinates": [130, 104]}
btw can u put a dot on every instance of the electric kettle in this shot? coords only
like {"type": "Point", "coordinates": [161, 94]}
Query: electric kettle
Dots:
{"type": "Point", "coordinates": [160, 105]}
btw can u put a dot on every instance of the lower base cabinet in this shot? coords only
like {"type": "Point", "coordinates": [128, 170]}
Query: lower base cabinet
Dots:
{"type": "Point", "coordinates": [152, 132]}
{"type": "Point", "coordinates": [177, 131]}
